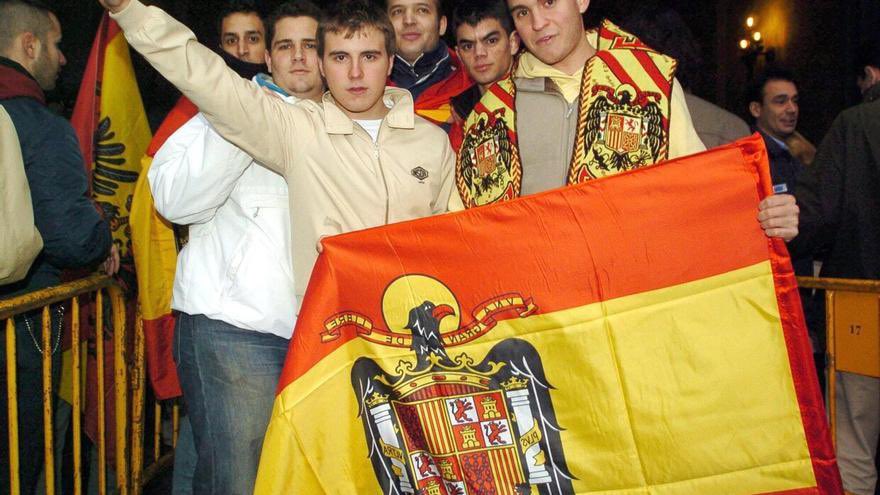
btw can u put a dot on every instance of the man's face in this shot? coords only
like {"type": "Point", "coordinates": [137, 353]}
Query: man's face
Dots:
{"type": "Point", "coordinates": [49, 57]}
{"type": "Point", "coordinates": [777, 115]}
{"type": "Point", "coordinates": [550, 29]}
{"type": "Point", "coordinates": [356, 69]}
{"type": "Point", "coordinates": [293, 57]}
{"type": "Point", "coordinates": [243, 36]}
{"type": "Point", "coordinates": [418, 26]}
{"type": "Point", "coordinates": [486, 50]}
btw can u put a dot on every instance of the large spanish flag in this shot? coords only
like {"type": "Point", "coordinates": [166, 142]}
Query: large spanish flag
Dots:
{"type": "Point", "coordinates": [632, 335]}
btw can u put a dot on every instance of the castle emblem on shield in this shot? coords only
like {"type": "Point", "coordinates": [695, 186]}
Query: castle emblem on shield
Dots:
{"type": "Point", "coordinates": [444, 423]}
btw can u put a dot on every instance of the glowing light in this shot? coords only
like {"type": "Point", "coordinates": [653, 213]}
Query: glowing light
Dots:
{"type": "Point", "coordinates": [744, 44]}
{"type": "Point", "coordinates": [756, 36]}
{"type": "Point", "coordinates": [750, 21]}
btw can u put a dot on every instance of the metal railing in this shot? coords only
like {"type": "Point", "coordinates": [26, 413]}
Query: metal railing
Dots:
{"type": "Point", "coordinates": [128, 381]}
{"type": "Point", "coordinates": [835, 288]}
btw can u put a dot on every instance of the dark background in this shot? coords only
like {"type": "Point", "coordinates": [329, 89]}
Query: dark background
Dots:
{"type": "Point", "coordinates": [815, 38]}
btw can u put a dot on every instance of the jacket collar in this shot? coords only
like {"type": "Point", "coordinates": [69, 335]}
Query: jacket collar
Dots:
{"type": "Point", "coordinates": [873, 93]}
{"type": "Point", "coordinates": [774, 149]}
{"type": "Point", "coordinates": [16, 81]}
{"type": "Point", "coordinates": [400, 116]}
{"type": "Point", "coordinates": [428, 62]}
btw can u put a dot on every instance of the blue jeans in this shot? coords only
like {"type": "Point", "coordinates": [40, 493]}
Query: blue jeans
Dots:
{"type": "Point", "coordinates": [228, 376]}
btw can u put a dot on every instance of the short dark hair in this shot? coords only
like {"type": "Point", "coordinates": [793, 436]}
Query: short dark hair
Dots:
{"type": "Point", "coordinates": [472, 12]}
{"type": "Point", "coordinates": [755, 90]}
{"type": "Point", "coordinates": [237, 7]}
{"type": "Point", "coordinates": [868, 55]}
{"type": "Point", "coordinates": [348, 17]}
{"type": "Point", "coordinates": [293, 8]}
{"type": "Point", "coordinates": [20, 16]}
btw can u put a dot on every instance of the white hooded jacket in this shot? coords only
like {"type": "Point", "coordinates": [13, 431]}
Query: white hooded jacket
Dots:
{"type": "Point", "coordinates": [236, 266]}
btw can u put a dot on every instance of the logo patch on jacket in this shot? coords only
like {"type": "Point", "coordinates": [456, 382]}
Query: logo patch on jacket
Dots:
{"type": "Point", "coordinates": [419, 173]}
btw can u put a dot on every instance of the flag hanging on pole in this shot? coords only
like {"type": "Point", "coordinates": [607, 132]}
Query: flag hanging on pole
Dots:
{"type": "Point", "coordinates": [112, 128]}
{"type": "Point", "coordinates": [113, 132]}
{"type": "Point", "coordinates": [636, 334]}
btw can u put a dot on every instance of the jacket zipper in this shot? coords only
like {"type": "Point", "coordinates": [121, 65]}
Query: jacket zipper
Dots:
{"type": "Point", "coordinates": [382, 173]}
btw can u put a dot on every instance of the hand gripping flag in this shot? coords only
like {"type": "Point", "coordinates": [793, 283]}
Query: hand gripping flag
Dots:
{"type": "Point", "coordinates": [631, 335]}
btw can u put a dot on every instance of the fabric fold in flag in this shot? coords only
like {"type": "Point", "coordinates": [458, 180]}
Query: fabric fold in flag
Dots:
{"type": "Point", "coordinates": [637, 334]}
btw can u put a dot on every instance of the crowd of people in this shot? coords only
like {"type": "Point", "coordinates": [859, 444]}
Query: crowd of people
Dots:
{"type": "Point", "coordinates": [316, 121]}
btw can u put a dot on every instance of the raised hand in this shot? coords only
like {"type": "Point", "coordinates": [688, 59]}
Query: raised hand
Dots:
{"type": "Point", "coordinates": [114, 5]}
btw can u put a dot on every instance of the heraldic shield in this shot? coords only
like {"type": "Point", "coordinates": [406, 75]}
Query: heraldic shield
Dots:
{"type": "Point", "coordinates": [445, 424]}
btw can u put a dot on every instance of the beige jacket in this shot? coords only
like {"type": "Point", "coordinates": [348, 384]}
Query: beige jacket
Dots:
{"type": "Point", "coordinates": [715, 125]}
{"type": "Point", "coordinates": [20, 242]}
{"type": "Point", "coordinates": [338, 179]}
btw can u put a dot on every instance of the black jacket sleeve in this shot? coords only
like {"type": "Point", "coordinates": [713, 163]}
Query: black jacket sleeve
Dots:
{"type": "Point", "coordinates": [74, 234]}
{"type": "Point", "coordinates": [819, 194]}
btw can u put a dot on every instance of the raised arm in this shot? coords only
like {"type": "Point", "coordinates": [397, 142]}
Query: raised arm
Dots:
{"type": "Point", "coordinates": [260, 125]}
{"type": "Point", "coordinates": [194, 172]}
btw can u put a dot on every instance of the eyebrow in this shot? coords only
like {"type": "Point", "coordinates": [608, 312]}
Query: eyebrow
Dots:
{"type": "Point", "coordinates": [290, 40]}
{"type": "Point", "coordinates": [493, 33]}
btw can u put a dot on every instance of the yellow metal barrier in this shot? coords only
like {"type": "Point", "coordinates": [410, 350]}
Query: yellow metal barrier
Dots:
{"type": "Point", "coordinates": [852, 319]}
{"type": "Point", "coordinates": [129, 384]}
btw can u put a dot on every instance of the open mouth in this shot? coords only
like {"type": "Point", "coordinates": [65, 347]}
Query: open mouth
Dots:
{"type": "Point", "coordinates": [545, 40]}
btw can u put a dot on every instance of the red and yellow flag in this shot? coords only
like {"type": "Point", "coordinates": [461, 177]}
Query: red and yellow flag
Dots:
{"type": "Point", "coordinates": [113, 132]}
{"type": "Point", "coordinates": [155, 256]}
{"type": "Point", "coordinates": [635, 334]}
{"type": "Point", "coordinates": [112, 128]}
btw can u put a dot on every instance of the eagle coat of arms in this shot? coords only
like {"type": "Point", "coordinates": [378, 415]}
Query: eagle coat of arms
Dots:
{"type": "Point", "coordinates": [444, 424]}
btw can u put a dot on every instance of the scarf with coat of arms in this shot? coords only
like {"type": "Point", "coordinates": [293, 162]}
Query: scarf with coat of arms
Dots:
{"type": "Point", "coordinates": [623, 122]}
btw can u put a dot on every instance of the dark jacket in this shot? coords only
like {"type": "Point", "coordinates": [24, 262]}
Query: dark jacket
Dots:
{"type": "Point", "coordinates": [74, 234]}
{"type": "Point", "coordinates": [431, 68]}
{"type": "Point", "coordinates": [784, 172]}
{"type": "Point", "coordinates": [784, 167]}
{"type": "Point", "coordinates": [839, 195]}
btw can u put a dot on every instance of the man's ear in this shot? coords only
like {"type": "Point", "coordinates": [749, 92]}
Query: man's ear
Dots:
{"type": "Point", "coordinates": [514, 43]}
{"type": "Point", "coordinates": [583, 5]}
{"type": "Point", "coordinates": [268, 59]}
{"type": "Point", "coordinates": [755, 109]}
{"type": "Point", "coordinates": [442, 25]}
{"type": "Point", "coordinates": [30, 45]}
{"type": "Point", "coordinates": [321, 67]}
{"type": "Point", "coordinates": [390, 64]}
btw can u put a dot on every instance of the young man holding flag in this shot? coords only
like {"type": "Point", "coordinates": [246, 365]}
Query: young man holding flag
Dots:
{"type": "Point", "coordinates": [582, 105]}
{"type": "Point", "coordinates": [358, 159]}
{"type": "Point", "coordinates": [233, 289]}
